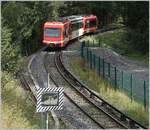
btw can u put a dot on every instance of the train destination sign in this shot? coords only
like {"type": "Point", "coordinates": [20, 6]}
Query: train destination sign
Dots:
{"type": "Point", "coordinates": [49, 99]}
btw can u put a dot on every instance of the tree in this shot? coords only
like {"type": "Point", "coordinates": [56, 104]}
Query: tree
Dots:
{"type": "Point", "coordinates": [9, 54]}
{"type": "Point", "coordinates": [136, 16]}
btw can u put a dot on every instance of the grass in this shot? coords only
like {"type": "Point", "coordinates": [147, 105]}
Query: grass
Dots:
{"type": "Point", "coordinates": [18, 111]}
{"type": "Point", "coordinates": [116, 41]}
{"type": "Point", "coordinates": [106, 91]}
{"type": "Point", "coordinates": [139, 57]}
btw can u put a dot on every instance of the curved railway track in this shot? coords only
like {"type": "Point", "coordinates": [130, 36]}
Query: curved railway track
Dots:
{"type": "Point", "coordinates": [57, 81]}
{"type": "Point", "coordinates": [82, 101]}
{"type": "Point", "coordinates": [101, 113]}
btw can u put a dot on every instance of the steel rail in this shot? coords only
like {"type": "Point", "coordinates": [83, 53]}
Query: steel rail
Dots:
{"type": "Point", "coordinates": [26, 86]}
{"type": "Point", "coordinates": [76, 104]}
{"type": "Point", "coordinates": [67, 74]}
{"type": "Point", "coordinates": [68, 97]}
{"type": "Point", "coordinates": [23, 80]}
{"type": "Point", "coordinates": [58, 63]}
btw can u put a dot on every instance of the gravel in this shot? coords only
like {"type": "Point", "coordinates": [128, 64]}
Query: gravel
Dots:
{"type": "Point", "coordinates": [74, 117]}
{"type": "Point", "coordinates": [71, 115]}
{"type": "Point", "coordinates": [38, 70]}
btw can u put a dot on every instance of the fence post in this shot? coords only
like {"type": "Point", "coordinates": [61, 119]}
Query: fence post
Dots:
{"type": "Point", "coordinates": [99, 65]}
{"type": "Point", "coordinates": [122, 79]}
{"type": "Point", "coordinates": [87, 54]}
{"type": "Point", "coordinates": [89, 57]}
{"type": "Point", "coordinates": [93, 43]}
{"type": "Point", "coordinates": [144, 94]}
{"type": "Point", "coordinates": [99, 42]}
{"type": "Point", "coordinates": [43, 119]}
{"type": "Point", "coordinates": [131, 89]}
{"type": "Point", "coordinates": [90, 60]}
{"type": "Point", "coordinates": [108, 69]}
{"type": "Point", "coordinates": [115, 78]}
{"type": "Point", "coordinates": [82, 46]}
{"type": "Point", "coordinates": [103, 68]}
{"type": "Point", "coordinates": [94, 60]}
{"type": "Point", "coordinates": [88, 43]}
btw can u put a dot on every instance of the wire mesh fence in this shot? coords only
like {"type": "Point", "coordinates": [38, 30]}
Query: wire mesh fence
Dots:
{"type": "Point", "coordinates": [136, 88]}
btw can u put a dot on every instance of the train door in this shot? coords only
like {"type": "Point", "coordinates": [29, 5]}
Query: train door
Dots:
{"type": "Point", "coordinates": [87, 25]}
{"type": "Point", "coordinates": [66, 33]}
{"type": "Point", "coordinates": [90, 25]}
{"type": "Point", "coordinates": [81, 28]}
{"type": "Point", "coordinates": [77, 29]}
{"type": "Point", "coordinates": [74, 30]}
{"type": "Point", "coordinates": [70, 31]}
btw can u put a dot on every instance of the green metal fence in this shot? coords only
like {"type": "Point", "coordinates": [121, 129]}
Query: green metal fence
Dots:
{"type": "Point", "coordinates": [133, 86]}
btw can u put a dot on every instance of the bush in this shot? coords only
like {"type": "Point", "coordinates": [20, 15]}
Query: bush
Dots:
{"type": "Point", "coordinates": [18, 110]}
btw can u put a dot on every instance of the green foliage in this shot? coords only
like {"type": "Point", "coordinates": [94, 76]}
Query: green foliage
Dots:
{"type": "Point", "coordinates": [117, 41]}
{"type": "Point", "coordinates": [139, 57]}
{"type": "Point", "coordinates": [56, 7]}
{"type": "Point", "coordinates": [136, 17]}
{"type": "Point", "coordinates": [114, 40]}
{"type": "Point", "coordinates": [10, 54]}
{"type": "Point", "coordinates": [107, 12]}
{"type": "Point", "coordinates": [18, 110]}
{"type": "Point", "coordinates": [26, 19]}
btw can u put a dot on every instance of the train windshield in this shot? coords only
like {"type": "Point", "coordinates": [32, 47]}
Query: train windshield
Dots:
{"type": "Point", "coordinates": [52, 32]}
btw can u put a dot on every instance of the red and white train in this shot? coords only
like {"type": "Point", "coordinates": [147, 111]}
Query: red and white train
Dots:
{"type": "Point", "coordinates": [59, 33]}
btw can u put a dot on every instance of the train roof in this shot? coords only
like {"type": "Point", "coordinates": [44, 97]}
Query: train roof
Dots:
{"type": "Point", "coordinates": [72, 18]}
{"type": "Point", "coordinates": [90, 16]}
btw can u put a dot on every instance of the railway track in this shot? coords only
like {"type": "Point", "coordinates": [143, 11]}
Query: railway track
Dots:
{"type": "Point", "coordinates": [101, 113]}
{"type": "Point", "coordinates": [97, 115]}
{"type": "Point", "coordinates": [57, 80]}
{"type": "Point", "coordinates": [112, 118]}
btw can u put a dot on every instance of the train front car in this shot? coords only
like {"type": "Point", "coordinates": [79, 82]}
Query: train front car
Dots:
{"type": "Point", "coordinates": [90, 24]}
{"type": "Point", "coordinates": [54, 34]}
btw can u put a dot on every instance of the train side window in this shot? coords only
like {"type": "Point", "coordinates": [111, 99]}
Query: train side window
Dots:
{"type": "Point", "coordinates": [77, 26]}
{"type": "Point", "coordinates": [81, 25]}
{"type": "Point", "coordinates": [93, 23]}
{"type": "Point", "coordinates": [65, 32]}
{"type": "Point", "coordinates": [74, 26]}
{"type": "Point", "coordinates": [87, 24]}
